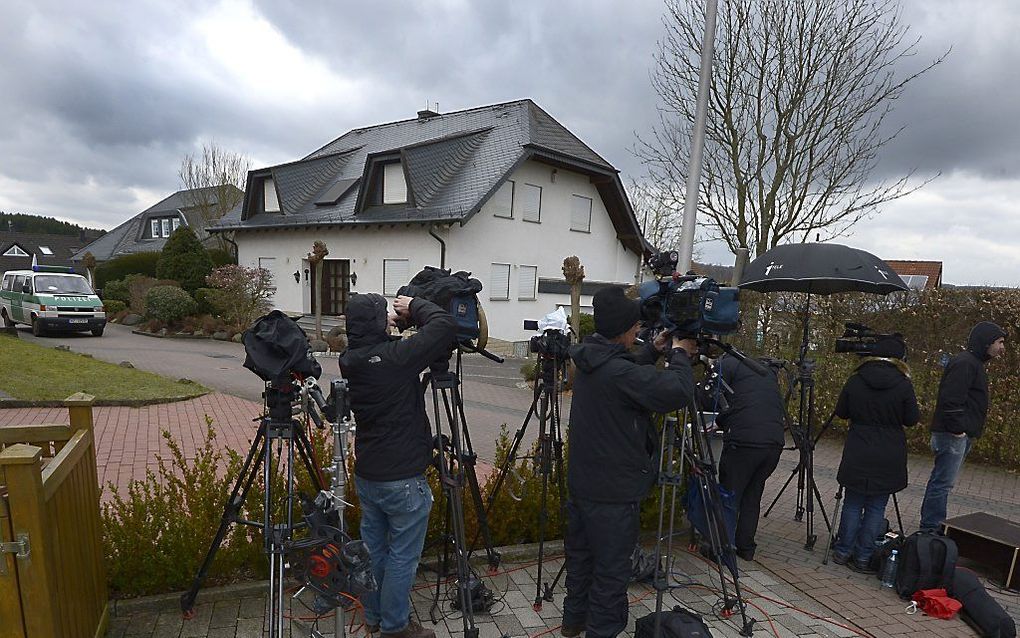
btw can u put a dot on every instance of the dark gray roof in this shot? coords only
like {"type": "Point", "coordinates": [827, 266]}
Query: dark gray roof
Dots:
{"type": "Point", "coordinates": [128, 238]}
{"type": "Point", "coordinates": [63, 248]}
{"type": "Point", "coordinates": [453, 162]}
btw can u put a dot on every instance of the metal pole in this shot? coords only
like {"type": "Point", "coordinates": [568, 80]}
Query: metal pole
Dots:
{"type": "Point", "coordinates": [698, 141]}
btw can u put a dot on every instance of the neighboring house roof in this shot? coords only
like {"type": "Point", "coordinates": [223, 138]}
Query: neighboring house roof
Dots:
{"type": "Point", "coordinates": [62, 248]}
{"type": "Point", "coordinates": [912, 272]}
{"type": "Point", "coordinates": [130, 237]}
{"type": "Point", "coordinates": [452, 164]}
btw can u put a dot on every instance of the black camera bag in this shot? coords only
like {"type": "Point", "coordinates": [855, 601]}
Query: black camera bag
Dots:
{"type": "Point", "coordinates": [980, 610]}
{"type": "Point", "coordinates": [678, 623]}
{"type": "Point", "coordinates": [927, 561]}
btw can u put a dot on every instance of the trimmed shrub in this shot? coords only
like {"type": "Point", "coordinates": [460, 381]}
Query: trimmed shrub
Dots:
{"type": "Point", "coordinates": [121, 267]}
{"type": "Point", "coordinates": [114, 306]}
{"type": "Point", "coordinates": [138, 287]}
{"type": "Point", "coordinates": [117, 290]}
{"type": "Point", "coordinates": [184, 260]}
{"type": "Point", "coordinates": [168, 304]}
{"type": "Point", "coordinates": [220, 257]}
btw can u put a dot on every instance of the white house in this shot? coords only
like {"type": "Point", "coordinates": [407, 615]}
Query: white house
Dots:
{"type": "Point", "coordinates": [502, 191]}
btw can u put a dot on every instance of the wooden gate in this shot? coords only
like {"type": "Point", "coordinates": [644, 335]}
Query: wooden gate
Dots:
{"type": "Point", "coordinates": [53, 581]}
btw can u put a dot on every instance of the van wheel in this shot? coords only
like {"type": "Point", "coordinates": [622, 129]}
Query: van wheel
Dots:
{"type": "Point", "coordinates": [37, 328]}
{"type": "Point", "coordinates": [7, 320]}
{"type": "Point", "coordinates": [97, 332]}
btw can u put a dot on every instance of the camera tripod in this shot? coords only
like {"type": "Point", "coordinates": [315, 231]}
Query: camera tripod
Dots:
{"type": "Point", "coordinates": [689, 442]}
{"type": "Point", "coordinates": [804, 441]}
{"type": "Point", "coordinates": [277, 428]}
{"type": "Point", "coordinates": [548, 458]}
{"type": "Point", "coordinates": [455, 460]}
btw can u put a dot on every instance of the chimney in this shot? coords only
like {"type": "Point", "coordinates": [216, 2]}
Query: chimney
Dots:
{"type": "Point", "coordinates": [428, 113]}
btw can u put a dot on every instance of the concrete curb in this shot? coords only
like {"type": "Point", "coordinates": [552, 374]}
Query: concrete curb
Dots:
{"type": "Point", "coordinates": [104, 403]}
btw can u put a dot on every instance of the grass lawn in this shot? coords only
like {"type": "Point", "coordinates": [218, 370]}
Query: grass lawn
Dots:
{"type": "Point", "coordinates": [35, 373]}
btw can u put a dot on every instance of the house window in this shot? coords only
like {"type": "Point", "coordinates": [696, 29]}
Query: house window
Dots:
{"type": "Point", "coordinates": [531, 203]}
{"type": "Point", "coordinates": [154, 224]}
{"type": "Point", "coordinates": [499, 282]}
{"type": "Point", "coordinates": [580, 213]}
{"type": "Point", "coordinates": [527, 282]}
{"type": "Point", "coordinates": [270, 201]}
{"type": "Point", "coordinates": [915, 282]}
{"type": "Point", "coordinates": [45, 250]}
{"type": "Point", "coordinates": [176, 223]}
{"type": "Point", "coordinates": [394, 186]}
{"type": "Point", "coordinates": [503, 201]}
{"type": "Point", "coordinates": [395, 274]}
{"type": "Point", "coordinates": [15, 251]}
{"type": "Point", "coordinates": [166, 227]}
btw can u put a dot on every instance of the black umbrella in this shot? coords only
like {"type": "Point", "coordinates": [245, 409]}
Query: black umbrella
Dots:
{"type": "Point", "coordinates": [820, 269]}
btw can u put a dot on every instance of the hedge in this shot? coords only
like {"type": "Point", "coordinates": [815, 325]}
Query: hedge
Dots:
{"type": "Point", "coordinates": [135, 264]}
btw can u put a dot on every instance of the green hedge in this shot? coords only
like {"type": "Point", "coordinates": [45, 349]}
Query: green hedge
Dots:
{"type": "Point", "coordinates": [113, 306]}
{"type": "Point", "coordinates": [137, 263]}
{"type": "Point", "coordinates": [168, 303]}
{"type": "Point", "coordinates": [184, 260]}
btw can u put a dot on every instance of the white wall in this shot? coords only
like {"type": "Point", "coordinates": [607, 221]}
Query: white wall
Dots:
{"type": "Point", "coordinates": [473, 247]}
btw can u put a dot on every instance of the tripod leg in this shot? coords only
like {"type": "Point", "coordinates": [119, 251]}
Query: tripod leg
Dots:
{"type": "Point", "coordinates": [545, 467]}
{"type": "Point", "coordinates": [899, 519]}
{"type": "Point", "coordinates": [467, 463]}
{"type": "Point", "coordinates": [245, 479]}
{"type": "Point", "coordinates": [561, 485]}
{"type": "Point", "coordinates": [832, 530]}
{"type": "Point", "coordinates": [789, 480]}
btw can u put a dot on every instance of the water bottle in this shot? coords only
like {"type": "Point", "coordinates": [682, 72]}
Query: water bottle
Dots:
{"type": "Point", "coordinates": [889, 570]}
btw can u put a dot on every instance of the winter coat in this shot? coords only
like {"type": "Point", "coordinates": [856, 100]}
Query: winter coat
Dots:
{"type": "Point", "coordinates": [612, 444]}
{"type": "Point", "coordinates": [879, 401]}
{"type": "Point", "coordinates": [962, 405]}
{"type": "Point", "coordinates": [393, 439]}
{"type": "Point", "coordinates": [756, 414]}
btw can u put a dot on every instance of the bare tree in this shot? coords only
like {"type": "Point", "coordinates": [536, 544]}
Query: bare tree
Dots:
{"type": "Point", "coordinates": [315, 258]}
{"type": "Point", "coordinates": [215, 181]}
{"type": "Point", "coordinates": [657, 213]}
{"type": "Point", "coordinates": [799, 97]}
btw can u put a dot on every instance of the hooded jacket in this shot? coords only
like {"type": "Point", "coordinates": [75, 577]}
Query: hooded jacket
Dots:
{"type": "Point", "coordinates": [393, 440]}
{"type": "Point", "coordinates": [756, 416]}
{"type": "Point", "coordinates": [879, 401]}
{"type": "Point", "coordinates": [963, 392]}
{"type": "Point", "coordinates": [612, 443]}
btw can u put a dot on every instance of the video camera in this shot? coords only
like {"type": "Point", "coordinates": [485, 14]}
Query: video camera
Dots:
{"type": "Point", "coordinates": [455, 292]}
{"type": "Point", "coordinates": [551, 343]}
{"type": "Point", "coordinates": [861, 340]}
{"type": "Point", "coordinates": [688, 305]}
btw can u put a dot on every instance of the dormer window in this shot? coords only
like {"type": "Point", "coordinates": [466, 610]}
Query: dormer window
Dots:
{"type": "Point", "coordinates": [16, 251]}
{"type": "Point", "coordinates": [163, 227]}
{"type": "Point", "coordinates": [271, 203]}
{"type": "Point", "coordinates": [394, 186]}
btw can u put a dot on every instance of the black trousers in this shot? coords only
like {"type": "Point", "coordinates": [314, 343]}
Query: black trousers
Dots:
{"type": "Point", "coordinates": [600, 540]}
{"type": "Point", "coordinates": [743, 471]}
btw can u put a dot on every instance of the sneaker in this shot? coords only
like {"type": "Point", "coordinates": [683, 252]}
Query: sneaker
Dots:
{"type": "Point", "coordinates": [413, 630]}
{"type": "Point", "coordinates": [746, 554]}
{"type": "Point", "coordinates": [861, 568]}
{"type": "Point", "coordinates": [840, 559]}
{"type": "Point", "coordinates": [571, 631]}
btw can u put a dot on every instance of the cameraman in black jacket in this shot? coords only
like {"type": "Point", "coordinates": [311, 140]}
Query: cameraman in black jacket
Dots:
{"type": "Point", "coordinates": [753, 440]}
{"type": "Point", "coordinates": [612, 457]}
{"type": "Point", "coordinates": [878, 399]}
{"type": "Point", "coordinates": [393, 445]}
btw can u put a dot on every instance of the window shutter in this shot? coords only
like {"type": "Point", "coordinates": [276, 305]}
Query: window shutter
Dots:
{"type": "Point", "coordinates": [272, 202]}
{"type": "Point", "coordinates": [503, 201]}
{"type": "Point", "coordinates": [531, 203]}
{"type": "Point", "coordinates": [499, 282]}
{"type": "Point", "coordinates": [580, 213]}
{"type": "Point", "coordinates": [394, 186]}
{"type": "Point", "coordinates": [527, 278]}
{"type": "Point", "coordinates": [395, 275]}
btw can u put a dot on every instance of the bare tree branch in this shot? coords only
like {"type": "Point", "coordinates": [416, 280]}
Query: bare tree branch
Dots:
{"type": "Point", "coordinates": [215, 182]}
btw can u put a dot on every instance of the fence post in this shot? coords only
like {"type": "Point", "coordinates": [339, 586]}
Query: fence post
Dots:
{"type": "Point", "coordinates": [22, 465]}
{"type": "Point", "coordinates": [79, 407]}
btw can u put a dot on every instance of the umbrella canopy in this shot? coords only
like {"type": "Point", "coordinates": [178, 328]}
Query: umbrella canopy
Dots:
{"type": "Point", "coordinates": [820, 269]}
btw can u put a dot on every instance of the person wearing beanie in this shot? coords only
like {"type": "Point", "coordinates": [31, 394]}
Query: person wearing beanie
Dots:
{"type": "Point", "coordinates": [959, 417]}
{"type": "Point", "coordinates": [612, 464]}
{"type": "Point", "coordinates": [879, 401]}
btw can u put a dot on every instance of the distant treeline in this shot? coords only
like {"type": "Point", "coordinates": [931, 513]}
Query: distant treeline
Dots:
{"type": "Point", "coordinates": [22, 223]}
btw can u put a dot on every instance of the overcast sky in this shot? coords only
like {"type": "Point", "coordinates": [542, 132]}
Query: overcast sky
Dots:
{"type": "Point", "coordinates": [101, 100]}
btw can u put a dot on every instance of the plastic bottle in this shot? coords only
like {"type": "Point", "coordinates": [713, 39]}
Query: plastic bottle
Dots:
{"type": "Point", "coordinates": [889, 570]}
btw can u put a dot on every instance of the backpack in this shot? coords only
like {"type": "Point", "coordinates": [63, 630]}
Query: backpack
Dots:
{"type": "Point", "coordinates": [678, 623]}
{"type": "Point", "coordinates": [926, 561]}
{"type": "Point", "coordinates": [980, 610]}
{"type": "Point", "coordinates": [882, 553]}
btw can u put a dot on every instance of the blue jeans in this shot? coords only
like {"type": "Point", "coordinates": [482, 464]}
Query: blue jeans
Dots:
{"type": "Point", "coordinates": [394, 518]}
{"type": "Point", "coordinates": [860, 524]}
{"type": "Point", "coordinates": [950, 451]}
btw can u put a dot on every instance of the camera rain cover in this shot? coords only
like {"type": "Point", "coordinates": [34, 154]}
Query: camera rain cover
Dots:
{"type": "Point", "coordinates": [275, 346]}
{"type": "Point", "coordinates": [454, 292]}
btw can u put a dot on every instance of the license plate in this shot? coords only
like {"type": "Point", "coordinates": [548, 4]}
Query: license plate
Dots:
{"type": "Point", "coordinates": [77, 320]}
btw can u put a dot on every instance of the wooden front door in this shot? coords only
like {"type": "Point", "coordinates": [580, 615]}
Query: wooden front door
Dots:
{"type": "Point", "coordinates": [336, 286]}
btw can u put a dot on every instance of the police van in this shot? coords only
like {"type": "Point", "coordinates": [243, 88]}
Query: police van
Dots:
{"type": "Point", "coordinates": [50, 299]}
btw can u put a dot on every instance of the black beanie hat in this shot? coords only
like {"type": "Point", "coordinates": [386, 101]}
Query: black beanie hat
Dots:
{"type": "Point", "coordinates": [615, 314]}
{"type": "Point", "coordinates": [891, 347]}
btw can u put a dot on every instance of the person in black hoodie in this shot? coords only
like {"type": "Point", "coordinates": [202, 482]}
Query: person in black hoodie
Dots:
{"type": "Point", "coordinates": [959, 417]}
{"type": "Point", "coordinates": [393, 445]}
{"type": "Point", "coordinates": [753, 440]}
{"type": "Point", "coordinates": [879, 401]}
{"type": "Point", "coordinates": [612, 446]}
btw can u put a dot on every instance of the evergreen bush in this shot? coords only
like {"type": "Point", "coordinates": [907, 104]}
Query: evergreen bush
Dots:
{"type": "Point", "coordinates": [184, 260]}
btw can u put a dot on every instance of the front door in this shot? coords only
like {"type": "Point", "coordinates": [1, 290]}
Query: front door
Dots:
{"type": "Point", "coordinates": [336, 286]}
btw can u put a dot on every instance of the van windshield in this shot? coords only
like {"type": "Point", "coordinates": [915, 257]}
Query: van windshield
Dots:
{"type": "Point", "coordinates": [62, 285]}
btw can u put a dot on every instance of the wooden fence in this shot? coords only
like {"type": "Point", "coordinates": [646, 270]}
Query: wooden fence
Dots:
{"type": "Point", "coordinates": [52, 576]}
